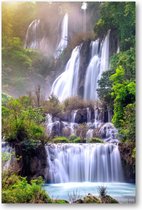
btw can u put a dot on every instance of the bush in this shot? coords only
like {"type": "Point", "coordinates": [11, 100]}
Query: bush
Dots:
{"type": "Point", "coordinates": [96, 140]}
{"type": "Point", "coordinates": [52, 106]}
{"type": "Point", "coordinates": [102, 191]}
{"type": "Point", "coordinates": [60, 139]}
{"type": "Point", "coordinates": [16, 189]}
{"type": "Point", "coordinates": [77, 140]}
{"type": "Point", "coordinates": [74, 103]}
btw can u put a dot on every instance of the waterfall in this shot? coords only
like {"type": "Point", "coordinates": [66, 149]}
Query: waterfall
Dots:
{"type": "Point", "coordinates": [104, 63]}
{"type": "Point", "coordinates": [73, 115]}
{"type": "Point", "coordinates": [91, 79]}
{"type": "Point", "coordinates": [99, 63]}
{"type": "Point", "coordinates": [92, 73]}
{"type": "Point", "coordinates": [66, 84]}
{"type": "Point", "coordinates": [9, 156]}
{"type": "Point", "coordinates": [35, 39]}
{"type": "Point", "coordinates": [32, 40]}
{"type": "Point", "coordinates": [64, 37]}
{"type": "Point", "coordinates": [84, 162]}
{"type": "Point", "coordinates": [88, 115]}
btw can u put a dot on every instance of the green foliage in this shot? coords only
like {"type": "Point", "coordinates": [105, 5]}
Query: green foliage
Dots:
{"type": "Point", "coordinates": [123, 92]}
{"type": "Point", "coordinates": [52, 106]}
{"type": "Point", "coordinates": [60, 139]}
{"type": "Point", "coordinates": [134, 153]}
{"type": "Point", "coordinates": [16, 189]}
{"type": "Point", "coordinates": [96, 140]}
{"type": "Point", "coordinates": [21, 121]}
{"type": "Point", "coordinates": [126, 59]}
{"type": "Point", "coordinates": [119, 17]}
{"type": "Point", "coordinates": [15, 19]}
{"type": "Point", "coordinates": [104, 89]}
{"type": "Point", "coordinates": [129, 123]}
{"type": "Point", "coordinates": [77, 140]}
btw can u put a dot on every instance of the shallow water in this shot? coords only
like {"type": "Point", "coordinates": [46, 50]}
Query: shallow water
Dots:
{"type": "Point", "coordinates": [123, 192]}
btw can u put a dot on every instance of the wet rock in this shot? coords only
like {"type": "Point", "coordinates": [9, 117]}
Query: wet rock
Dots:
{"type": "Point", "coordinates": [88, 199]}
{"type": "Point", "coordinates": [108, 199]}
{"type": "Point", "coordinates": [128, 161]}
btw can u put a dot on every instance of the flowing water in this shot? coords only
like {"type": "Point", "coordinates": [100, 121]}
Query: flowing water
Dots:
{"type": "Point", "coordinates": [123, 192]}
{"type": "Point", "coordinates": [66, 84]}
{"type": "Point", "coordinates": [63, 87]}
{"type": "Point", "coordinates": [64, 37]}
{"type": "Point", "coordinates": [84, 163]}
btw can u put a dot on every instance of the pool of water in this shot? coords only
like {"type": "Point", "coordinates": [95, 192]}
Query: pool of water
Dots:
{"type": "Point", "coordinates": [123, 192]}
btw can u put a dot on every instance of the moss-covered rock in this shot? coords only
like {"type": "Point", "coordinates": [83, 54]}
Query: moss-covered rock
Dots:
{"type": "Point", "coordinates": [96, 140]}
{"type": "Point", "coordinates": [128, 160]}
{"type": "Point", "coordinates": [88, 199]}
{"type": "Point", "coordinates": [108, 199]}
{"type": "Point", "coordinates": [60, 139]}
{"type": "Point", "coordinates": [60, 201]}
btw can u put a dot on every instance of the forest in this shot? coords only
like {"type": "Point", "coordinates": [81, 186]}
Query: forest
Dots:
{"type": "Point", "coordinates": [41, 113]}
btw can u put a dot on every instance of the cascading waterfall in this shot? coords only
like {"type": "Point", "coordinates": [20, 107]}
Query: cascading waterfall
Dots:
{"type": "Point", "coordinates": [99, 62]}
{"type": "Point", "coordinates": [64, 37]}
{"type": "Point", "coordinates": [66, 84]}
{"type": "Point", "coordinates": [84, 163]}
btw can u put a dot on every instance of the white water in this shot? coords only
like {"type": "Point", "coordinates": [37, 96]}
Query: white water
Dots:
{"type": "Point", "coordinates": [8, 156]}
{"type": "Point", "coordinates": [64, 37]}
{"type": "Point", "coordinates": [32, 36]}
{"type": "Point", "coordinates": [92, 73]}
{"type": "Point", "coordinates": [104, 63]}
{"type": "Point", "coordinates": [66, 84]}
{"type": "Point", "coordinates": [96, 67]}
{"type": "Point", "coordinates": [84, 162]}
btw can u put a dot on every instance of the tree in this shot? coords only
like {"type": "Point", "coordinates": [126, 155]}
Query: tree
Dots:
{"type": "Point", "coordinates": [123, 92]}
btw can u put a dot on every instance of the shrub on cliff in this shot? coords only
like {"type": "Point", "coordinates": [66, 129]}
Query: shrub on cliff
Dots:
{"type": "Point", "coordinates": [52, 106]}
{"type": "Point", "coordinates": [74, 103]}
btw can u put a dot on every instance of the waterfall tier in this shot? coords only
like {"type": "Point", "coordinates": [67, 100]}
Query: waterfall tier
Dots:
{"type": "Point", "coordinates": [85, 123]}
{"type": "Point", "coordinates": [84, 163]}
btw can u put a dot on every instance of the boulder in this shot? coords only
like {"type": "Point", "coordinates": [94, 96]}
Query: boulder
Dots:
{"type": "Point", "coordinates": [108, 199]}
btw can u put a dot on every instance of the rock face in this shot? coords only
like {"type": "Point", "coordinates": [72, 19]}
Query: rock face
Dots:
{"type": "Point", "coordinates": [32, 160]}
{"type": "Point", "coordinates": [128, 161]}
{"type": "Point", "coordinates": [84, 61]}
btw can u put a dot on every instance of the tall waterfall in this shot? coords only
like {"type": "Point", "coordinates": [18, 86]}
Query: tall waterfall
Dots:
{"type": "Point", "coordinates": [84, 162]}
{"type": "Point", "coordinates": [64, 37]}
{"type": "Point", "coordinates": [96, 67]}
{"type": "Point", "coordinates": [66, 84]}
{"type": "Point", "coordinates": [92, 73]}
